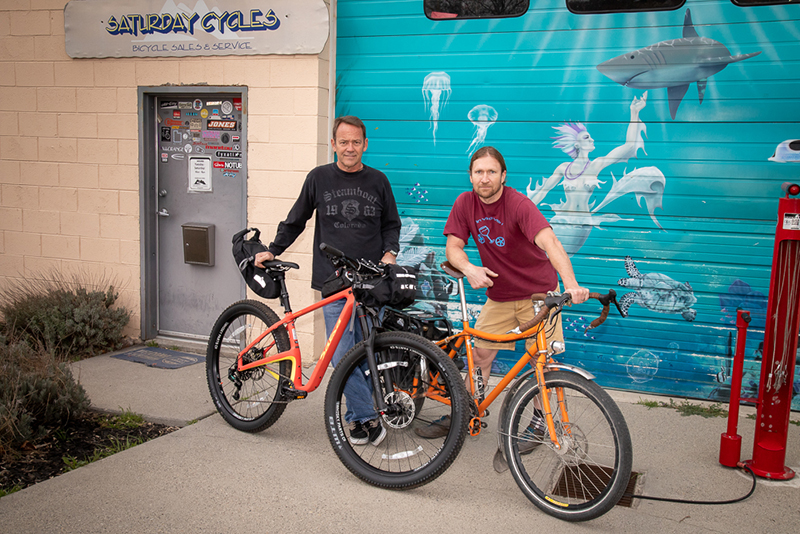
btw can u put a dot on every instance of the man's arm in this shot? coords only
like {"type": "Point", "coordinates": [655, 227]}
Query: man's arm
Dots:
{"type": "Point", "coordinates": [390, 226]}
{"type": "Point", "coordinates": [477, 276]}
{"type": "Point", "coordinates": [546, 240]}
{"type": "Point", "coordinates": [292, 227]}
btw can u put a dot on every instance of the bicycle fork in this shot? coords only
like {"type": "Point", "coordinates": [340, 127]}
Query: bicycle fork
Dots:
{"type": "Point", "coordinates": [380, 403]}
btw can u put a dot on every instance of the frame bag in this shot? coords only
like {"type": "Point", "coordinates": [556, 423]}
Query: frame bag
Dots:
{"type": "Point", "coordinates": [244, 252]}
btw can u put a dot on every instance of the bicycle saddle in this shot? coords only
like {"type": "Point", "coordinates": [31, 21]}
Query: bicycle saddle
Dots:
{"type": "Point", "coordinates": [277, 265]}
{"type": "Point", "coordinates": [450, 270]}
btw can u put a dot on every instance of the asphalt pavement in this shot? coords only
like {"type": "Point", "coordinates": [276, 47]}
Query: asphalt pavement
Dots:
{"type": "Point", "coordinates": [209, 477]}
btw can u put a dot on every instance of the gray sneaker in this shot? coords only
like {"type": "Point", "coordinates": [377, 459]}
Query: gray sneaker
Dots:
{"type": "Point", "coordinates": [437, 429]}
{"type": "Point", "coordinates": [530, 440]}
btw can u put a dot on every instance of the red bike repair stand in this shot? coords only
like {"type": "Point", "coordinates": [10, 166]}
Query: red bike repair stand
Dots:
{"type": "Point", "coordinates": [779, 353]}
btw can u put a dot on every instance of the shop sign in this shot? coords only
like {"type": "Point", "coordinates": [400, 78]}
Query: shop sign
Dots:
{"type": "Point", "coordinates": [151, 28]}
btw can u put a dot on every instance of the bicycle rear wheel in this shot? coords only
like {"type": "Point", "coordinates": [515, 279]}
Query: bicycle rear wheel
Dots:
{"type": "Point", "coordinates": [588, 475]}
{"type": "Point", "coordinates": [412, 370]}
{"type": "Point", "coordinates": [248, 400]}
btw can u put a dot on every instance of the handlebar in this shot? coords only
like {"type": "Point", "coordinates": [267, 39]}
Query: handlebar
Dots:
{"type": "Point", "coordinates": [338, 257]}
{"type": "Point", "coordinates": [558, 301]}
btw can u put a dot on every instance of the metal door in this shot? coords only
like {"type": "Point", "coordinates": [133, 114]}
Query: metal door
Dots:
{"type": "Point", "coordinates": [200, 185]}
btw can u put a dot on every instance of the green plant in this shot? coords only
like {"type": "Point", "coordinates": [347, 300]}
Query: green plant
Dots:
{"type": "Point", "coordinates": [117, 445]}
{"type": "Point", "coordinates": [125, 420]}
{"type": "Point", "coordinates": [15, 489]}
{"type": "Point", "coordinates": [71, 317]}
{"type": "Point", "coordinates": [688, 408]}
{"type": "Point", "coordinates": [37, 393]}
{"type": "Point", "coordinates": [152, 344]}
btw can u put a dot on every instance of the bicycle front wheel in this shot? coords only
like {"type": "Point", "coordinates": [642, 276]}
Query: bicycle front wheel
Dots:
{"type": "Point", "coordinates": [412, 370]}
{"type": "Point", "coordinates": [587, 475]}
{"type": "Point", "coordinates": [248, 400]}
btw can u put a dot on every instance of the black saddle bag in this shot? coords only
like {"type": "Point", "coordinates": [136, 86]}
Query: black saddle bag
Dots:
{"type": "Point", "coordinates": [261, 281]}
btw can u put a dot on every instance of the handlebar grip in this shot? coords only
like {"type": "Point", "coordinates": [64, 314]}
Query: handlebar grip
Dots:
{"type": "Point", "coordinates": [331, 251]}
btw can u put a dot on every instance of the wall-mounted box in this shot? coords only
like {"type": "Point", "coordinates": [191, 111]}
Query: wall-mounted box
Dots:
{"type": "Point", "coordinates": [198, 244]}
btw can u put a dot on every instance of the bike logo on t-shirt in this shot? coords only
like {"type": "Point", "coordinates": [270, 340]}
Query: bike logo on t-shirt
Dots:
{"type": "Point", "coordinates": [483, 235]}
{"type": "Point", "coordinates": [350, 209]}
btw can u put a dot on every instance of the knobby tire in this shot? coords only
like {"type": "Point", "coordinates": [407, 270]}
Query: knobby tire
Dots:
{"type": "Point", "coordinates": [416, 375]}
{"type": "Point", "coordinates": [259, 403]}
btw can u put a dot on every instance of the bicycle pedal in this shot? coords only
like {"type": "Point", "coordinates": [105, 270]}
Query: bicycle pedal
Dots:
{"type": "Point", "coordinates": [475, 425]}
{"type": "Point", "coordinates": [294, 394]}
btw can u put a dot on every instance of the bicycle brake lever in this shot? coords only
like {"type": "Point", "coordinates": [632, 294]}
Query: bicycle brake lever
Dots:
{"type": "Point", "coordinates": [514, 331]}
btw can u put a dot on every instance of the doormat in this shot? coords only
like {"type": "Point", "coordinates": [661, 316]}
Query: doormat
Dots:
{"type": "Point", "coordinates": [161, 358]}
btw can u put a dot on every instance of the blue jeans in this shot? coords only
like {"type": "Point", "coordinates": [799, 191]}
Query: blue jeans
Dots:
{"type": "Point", "coordinates": [358, 389]}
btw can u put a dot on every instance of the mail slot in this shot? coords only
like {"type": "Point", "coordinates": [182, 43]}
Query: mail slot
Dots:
{"type": "Point", "coordinates": [198, 244]}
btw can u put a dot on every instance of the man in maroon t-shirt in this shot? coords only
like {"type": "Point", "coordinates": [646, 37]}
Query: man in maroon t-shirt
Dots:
{"type": "Point", "coordinates": [519, 251]}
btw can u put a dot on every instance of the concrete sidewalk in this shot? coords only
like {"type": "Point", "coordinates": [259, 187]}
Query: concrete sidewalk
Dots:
{"type": "Point", "coordinates": [208, 477]}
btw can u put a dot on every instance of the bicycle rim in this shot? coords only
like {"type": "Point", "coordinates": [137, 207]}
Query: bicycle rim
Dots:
{"type": "Point", "coordinates": [587, 476]}
{"type": "Point", "coordinates": [248, 400]}
{"type": "Point", "coordinates": [421, 385]}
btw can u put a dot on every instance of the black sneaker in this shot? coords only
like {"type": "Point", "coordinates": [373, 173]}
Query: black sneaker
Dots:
{"type": "Point", "coordinates": [358, 434]}
{"type": "Point", "coordinates": [376, 431]}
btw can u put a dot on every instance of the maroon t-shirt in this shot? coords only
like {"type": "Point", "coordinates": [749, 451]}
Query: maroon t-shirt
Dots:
{"type": "Point", "coordinates": [504, 233]}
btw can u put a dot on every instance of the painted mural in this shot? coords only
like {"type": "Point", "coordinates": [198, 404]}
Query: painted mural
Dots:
{"type": "Point", "coordinates": [576, 215]}
{"type": "Point", "coordinates": [685, 235]}
{"type": "Point", "coordinates": [674, 64]}
{"type": "Point", "coordinates": [657, 292]}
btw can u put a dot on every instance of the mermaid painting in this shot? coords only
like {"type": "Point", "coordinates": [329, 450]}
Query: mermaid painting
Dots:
{"type": "Point", "coordinates": [576, 215]}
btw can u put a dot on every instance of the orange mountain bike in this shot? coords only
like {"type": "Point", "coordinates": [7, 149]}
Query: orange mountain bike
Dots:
{"type": "Point", "coordinates": [562, 436]}
{"type": "Point", "coordinates": [254, 368]}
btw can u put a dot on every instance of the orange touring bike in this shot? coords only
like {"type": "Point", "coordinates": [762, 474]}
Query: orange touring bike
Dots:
{"type": "Point", "coordinates": [562, 436]}
{"type": "Point", "coordinates": [254, 369]}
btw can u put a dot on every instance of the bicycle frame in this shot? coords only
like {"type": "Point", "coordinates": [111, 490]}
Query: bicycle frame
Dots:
{"type": "Point", "coordinates": [536, 355]}
{"type": "Point", "coordinates": [293, 354]}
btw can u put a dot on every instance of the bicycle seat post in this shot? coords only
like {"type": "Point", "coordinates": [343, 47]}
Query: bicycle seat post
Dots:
{"type": "Point", "coordinates": [462, 295]}
{"type": "Point", "coordinates": [287, 308]}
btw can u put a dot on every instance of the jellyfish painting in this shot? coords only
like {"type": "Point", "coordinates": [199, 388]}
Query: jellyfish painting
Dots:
{"type": "Point", "coordinates": [576, 215]}
{"type": "Point", "coordinates": [482, 116]}
{"type": "Point", "coordinates": [436, 93]}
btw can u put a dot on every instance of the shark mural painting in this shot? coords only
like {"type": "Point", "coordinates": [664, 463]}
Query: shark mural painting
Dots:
{"type": "Point", "coordinates": [657, 292]}
{"type": "Point", "coordinates": [674, 64]}
{"type": "Point", "coordinates": [576, 215]}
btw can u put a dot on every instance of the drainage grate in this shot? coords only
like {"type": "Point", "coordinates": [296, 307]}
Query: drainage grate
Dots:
{"type": "Point", "coordinates": [588, 479]}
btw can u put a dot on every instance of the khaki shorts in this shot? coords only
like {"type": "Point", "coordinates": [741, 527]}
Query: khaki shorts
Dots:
{"type": "Point", "coordinates": [500, 317]}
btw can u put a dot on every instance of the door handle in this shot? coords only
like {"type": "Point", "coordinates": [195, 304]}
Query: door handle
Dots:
{"type": "Point", "coordinates": [163, 212]}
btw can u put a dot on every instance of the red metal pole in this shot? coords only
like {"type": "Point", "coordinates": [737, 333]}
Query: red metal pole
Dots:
{"type": "Point", "coordinates": [780, 345]}
{"type": "Point", "coordinates": [730, 447]}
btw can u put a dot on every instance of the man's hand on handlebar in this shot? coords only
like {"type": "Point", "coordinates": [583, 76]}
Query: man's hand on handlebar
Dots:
{"type": "Point", "coordinates": [579, 294]}
{"type": "Point", "coordinates": [261, 257]}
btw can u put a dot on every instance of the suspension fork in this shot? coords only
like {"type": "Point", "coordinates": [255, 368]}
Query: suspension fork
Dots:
{"type": "Point", "coordinates": [380, 403]}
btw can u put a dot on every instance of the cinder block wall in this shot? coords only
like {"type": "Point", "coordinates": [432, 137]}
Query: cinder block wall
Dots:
{"type": "Point", "coordinates": [69, 172]}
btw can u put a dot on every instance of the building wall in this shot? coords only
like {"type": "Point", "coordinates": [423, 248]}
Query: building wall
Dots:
{"type": "Point", "coordinates": [694, 202]}
{"type": "Point", "coordinates": [69, 161]}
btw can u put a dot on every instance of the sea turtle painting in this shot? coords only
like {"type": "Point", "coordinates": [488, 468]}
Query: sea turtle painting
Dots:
{"type": "Point", "coordinates": [657, 292]}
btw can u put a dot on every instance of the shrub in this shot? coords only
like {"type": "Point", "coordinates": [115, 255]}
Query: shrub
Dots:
{"type": "Point", "coordinates": [68, 317]}
{"type": "Point", "coordinates": [37, 393]}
